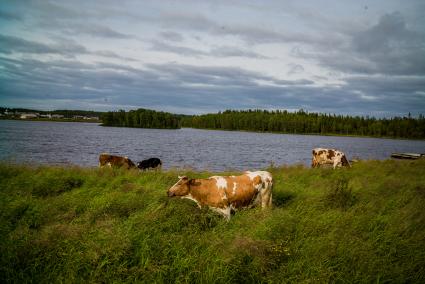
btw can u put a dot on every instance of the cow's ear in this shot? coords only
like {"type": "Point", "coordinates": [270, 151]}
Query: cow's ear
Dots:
{"type": "Point", "coordinates": [193, 182]}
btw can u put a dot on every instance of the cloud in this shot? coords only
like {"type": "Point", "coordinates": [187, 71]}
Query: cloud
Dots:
{"type": "Point", "coordinates": [67, 48]}
{"type": "Point", "coordinates": [170, 85]}
{"type": "Point", "coordinates": [74, 28]}
{"type": "Point", "coordinates": [9, 16]}
{"type": "Point", "coordinates": [220, 51]}
{"type": "Point", "coordinates": [391, 46]}
{"type": "Point", "coordinates": [117, 54]}
{"type": "Point", "coordinates": [295, 69]}
{"type": "Point", "coordinates": [231, 51]}
{"type": "Point", "coordinates": [249, 33]}
{"type": "Point", "coordinates": [388, 47]}
{"type": "Point", "coordinates": [181, 50]}
{"type": "Point", "coordinates": [98, 31]}
{"type": "Point", "coordinates": [198, 89]}
{"type": "Point", "coordinates": [13, 44]}
{"type": "Point", "coordinates": [171, 36]}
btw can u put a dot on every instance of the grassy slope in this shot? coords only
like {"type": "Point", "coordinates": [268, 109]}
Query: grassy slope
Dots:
{"type": "Point", "coordinates": [365, 224]}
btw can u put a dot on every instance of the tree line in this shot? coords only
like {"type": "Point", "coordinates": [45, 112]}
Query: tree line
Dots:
{"type": "Point", "coordinates": [302, 122]}
{"type": "Point", "coordinates": [143, 118]}
{"type": "Point", "coordinates": [281, 121]}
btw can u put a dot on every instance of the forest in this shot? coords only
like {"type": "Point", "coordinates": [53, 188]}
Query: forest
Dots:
{"type": "Point", "coordinates": [279, 121]}
{"type": "Point", "coordinates": [301, 122]}
{"type": "Point", "coordinates": [143, 118]}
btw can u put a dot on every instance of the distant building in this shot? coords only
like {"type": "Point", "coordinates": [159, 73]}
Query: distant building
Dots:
{"type": "Point", "coordinates": [91, 117]}
{"type": "Point", "coordinates": [46, 115]}
{"type": "Point", "coordinates": [78, 117]}
{"type": "Point", "coordinates": [56, 116]}
{"type": "Point", "coordinates": [29, 115]}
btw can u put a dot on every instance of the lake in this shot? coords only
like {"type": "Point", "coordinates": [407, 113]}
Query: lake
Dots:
{"type": "Point", "coordinates": [63, 143]}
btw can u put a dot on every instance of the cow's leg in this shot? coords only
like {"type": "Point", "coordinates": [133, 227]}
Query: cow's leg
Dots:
{"type": "Point", "coordinates": [225, 212]}
{"type": "Point", "coordinates": [337, 163]}
{"type": "Point", "coordinates": [266, 197]}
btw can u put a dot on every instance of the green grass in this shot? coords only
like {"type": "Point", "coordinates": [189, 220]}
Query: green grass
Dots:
{"type": "Point", "coordinates": [364, 224]}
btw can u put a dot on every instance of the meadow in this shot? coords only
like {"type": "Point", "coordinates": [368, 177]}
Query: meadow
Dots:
{"type": "Point", "coordinates": [363, 224]}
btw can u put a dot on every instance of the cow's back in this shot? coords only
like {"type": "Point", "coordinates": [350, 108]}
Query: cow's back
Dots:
{"type": "Point", "coordinates": [241, 190]}
{"type": "Point", "coordinates": [116, 161]}
{"type": "Point", "coordinates": [206, 193]}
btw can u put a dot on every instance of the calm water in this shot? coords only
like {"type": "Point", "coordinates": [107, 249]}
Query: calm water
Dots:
{"type": "Point", "coordinates": [81, 143]}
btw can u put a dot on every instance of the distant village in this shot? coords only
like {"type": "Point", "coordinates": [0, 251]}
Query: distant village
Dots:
{"type": "Point", "coordinates": [25, 115]}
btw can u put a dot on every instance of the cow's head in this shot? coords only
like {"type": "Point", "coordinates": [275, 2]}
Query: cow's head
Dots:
{"type": "Point", "coordinates": [181, 188]}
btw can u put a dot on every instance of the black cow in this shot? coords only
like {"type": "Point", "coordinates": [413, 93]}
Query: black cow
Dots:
{"type": "Point", "coordinates": [149, 163]}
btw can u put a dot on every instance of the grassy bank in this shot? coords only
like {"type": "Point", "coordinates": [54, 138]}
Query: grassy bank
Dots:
{"type": "Point", "coordinates": [364, 224]}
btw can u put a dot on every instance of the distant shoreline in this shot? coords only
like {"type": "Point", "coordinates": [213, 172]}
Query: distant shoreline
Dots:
{"type": "Point", "coordinates": [215, 129]}
{"type": "Point", "coordinates": [53, 120]}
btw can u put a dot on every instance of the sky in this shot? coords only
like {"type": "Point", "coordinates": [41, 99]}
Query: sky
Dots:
{"type": "Point", "coordinates": [345, 57]}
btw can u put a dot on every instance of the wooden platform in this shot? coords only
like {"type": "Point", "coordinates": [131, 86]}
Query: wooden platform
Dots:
{"type": "Point", "coordinates": [409, 156]}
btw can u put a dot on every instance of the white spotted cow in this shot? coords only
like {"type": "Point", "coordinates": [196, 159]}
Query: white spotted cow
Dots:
{"type": "Point", "coordinates": [332, 157]}
{"type": "Point", "coordinates": [226, 193]}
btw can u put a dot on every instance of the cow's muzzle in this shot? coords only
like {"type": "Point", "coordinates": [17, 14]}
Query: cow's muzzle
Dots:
{"type": "Point", "coordinates": [170, 194]}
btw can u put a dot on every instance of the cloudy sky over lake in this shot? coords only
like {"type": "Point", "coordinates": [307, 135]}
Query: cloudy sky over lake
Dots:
{"type": "Point", "coordinates": [345, 57]}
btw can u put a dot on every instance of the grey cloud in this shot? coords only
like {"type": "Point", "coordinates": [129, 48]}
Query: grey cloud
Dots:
{"type": "Point", "coordinates": [57, 11]}
{"type": "Point", "coordinates": [172, 36]}
{"type": "Point", "coordinates": [181, 50]}
{"type": "Point", "coordinates": [250, 34]}
{"type": "Point", "coordinates": [388, 47]}
{"type": "Point", "coordinates": [10, 16]}
{"type": "Point", "coordinates": [60, 17]}
{"type": "Point", "coordinates": [220, 76]}
{"type": "Point", "coordinates": [96, 31]}
{"type": "Point", "coordinates": [257, 35]}
{"type": "Point", "coordinates": [186, 21]}
{"type": "Point", "coordinates": [229, 51]}
{"type": "Point", "coordinates": [110, 54]}
{"type": "Point", "coordinates": [221, 51]}
{"type": "Point", "coordinates": [13, 44]}
{"type": "Point", "coordinates": [389, 33]}
{"type": "Point", "coordinates": [173, 84]}
{"type": "Point", "coordinates": [295, 69]}
{"type": "Point", "coordinates": [384, 85]}
{"type": "Point", "coordinates": [198, 88]}
{"type": "Point", "coordinates": [67, 48]}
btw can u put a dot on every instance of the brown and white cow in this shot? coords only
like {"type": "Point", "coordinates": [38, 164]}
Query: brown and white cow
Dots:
{"type": "Point", "coordinates": [226, 193]}
{"type": "Point", "coordinates": [115, 161]}
{"type": "Point", "coordinates": [332, 157]}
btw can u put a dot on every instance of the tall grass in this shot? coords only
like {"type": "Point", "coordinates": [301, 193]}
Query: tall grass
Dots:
{"type": "Point", "coordinates": [364, 224]}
